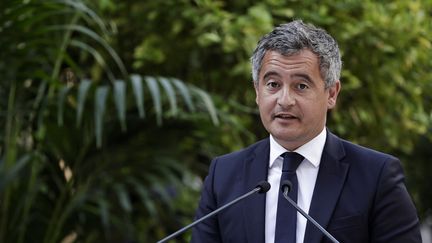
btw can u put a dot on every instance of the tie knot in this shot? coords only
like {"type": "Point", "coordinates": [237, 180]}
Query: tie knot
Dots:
{"type": "Point", "coordinates": [291, 161]}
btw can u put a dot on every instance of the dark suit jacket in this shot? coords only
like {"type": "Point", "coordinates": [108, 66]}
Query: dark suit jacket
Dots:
{"type": "Point", "coordinates": [359, 196]}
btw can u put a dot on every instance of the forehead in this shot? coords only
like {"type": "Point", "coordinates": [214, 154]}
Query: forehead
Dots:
{"type": "Point", "coordinates": [304, 61]}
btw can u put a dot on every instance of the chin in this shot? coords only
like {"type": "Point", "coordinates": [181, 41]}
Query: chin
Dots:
{"type": "Point", "coordinates": [286, 136]}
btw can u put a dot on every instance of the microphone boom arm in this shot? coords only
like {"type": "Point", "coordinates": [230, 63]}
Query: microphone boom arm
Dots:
{"type": "Point", "coordinates": [285, 194]}
{"type": "Point", "coordinates": [262, 187]}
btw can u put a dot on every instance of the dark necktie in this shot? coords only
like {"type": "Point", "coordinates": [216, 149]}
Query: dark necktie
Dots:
{"type": "Point", "coordinates": [286, 217]}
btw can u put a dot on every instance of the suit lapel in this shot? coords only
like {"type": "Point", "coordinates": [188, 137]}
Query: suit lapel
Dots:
{"type": "Point", "coordinates": [329, 184]}
{"type": "Point", "coordinates": [255, 170]}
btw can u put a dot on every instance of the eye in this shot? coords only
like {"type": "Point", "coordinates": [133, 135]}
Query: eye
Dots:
{"type": "Point", "coordinates": [272, 84]}
{"type": "Point", "coordinates": [302, 86]}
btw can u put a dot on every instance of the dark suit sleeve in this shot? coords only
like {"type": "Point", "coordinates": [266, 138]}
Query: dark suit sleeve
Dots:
{"type": "Point", "coordinates": [208, 230]}
{"type": "Point", "coordinates": [394, 217]}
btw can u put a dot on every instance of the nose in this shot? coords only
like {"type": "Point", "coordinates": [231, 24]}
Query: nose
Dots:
{"type": "Point", "coordinates": [286, 97]}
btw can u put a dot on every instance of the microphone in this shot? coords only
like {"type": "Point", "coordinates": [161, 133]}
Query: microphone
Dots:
{"type": "Point", "coordinates": [286, 187]}
{"type": "Point", "coordinates": [261, 187]}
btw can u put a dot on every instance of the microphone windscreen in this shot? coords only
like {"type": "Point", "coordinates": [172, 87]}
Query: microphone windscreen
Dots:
{"type": "Point", "coordinates": [286, 184]}
{"type": "Point", "coordinates": [264, 186]}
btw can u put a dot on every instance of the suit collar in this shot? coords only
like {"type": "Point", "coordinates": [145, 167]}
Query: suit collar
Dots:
{"type": "Point", "coordinates": [311, 151]}
{"type": "Point", "coordinates": [330, 180]}
{"type": "Point", "coordinates": [255, 170]}
{"type": "Point", "coordinates": [329, 184]}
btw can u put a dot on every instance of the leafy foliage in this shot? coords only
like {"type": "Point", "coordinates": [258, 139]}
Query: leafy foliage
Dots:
{"type": "Point", "coordinates": [78, 159]}
{"type": "Point", "coordinates": [92, 153]}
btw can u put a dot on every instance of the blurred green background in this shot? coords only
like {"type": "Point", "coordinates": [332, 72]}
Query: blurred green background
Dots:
{"type": "Point", "coordinates": [111, 111]}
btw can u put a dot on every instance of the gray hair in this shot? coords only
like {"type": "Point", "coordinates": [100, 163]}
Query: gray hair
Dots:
{"type": "Point", "coordinates": [288, 39]}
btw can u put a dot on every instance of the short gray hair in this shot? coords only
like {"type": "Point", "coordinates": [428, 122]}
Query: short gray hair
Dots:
{"type": "Point", "coordinates": [288, 39]}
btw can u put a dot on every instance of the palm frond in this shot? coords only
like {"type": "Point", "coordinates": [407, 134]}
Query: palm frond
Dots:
{"type": "Point", "coordinates": [101, 96]}
{"type": "Point", "coordinates": [62, 170]}
{"type": "Point", "coordinates": [172, 88]}
{"type": "Point", "coordinates": [93, 35]}
{"type": "Point", "coordinates": [156, 96]}
{"type": "Point", "coordinates": [120, 102]}
{"type": "Point", "coordinates": [138, 91]}
{"type": "Point", "coordinates": [83, 90]}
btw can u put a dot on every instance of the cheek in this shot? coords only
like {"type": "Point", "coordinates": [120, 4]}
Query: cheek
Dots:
{"type": "Point", "coordinates": [313, 110]}
{"type": "Point", "coordinates": [265, 106]}
{"type": "Point", "coordinates": [267, 102]}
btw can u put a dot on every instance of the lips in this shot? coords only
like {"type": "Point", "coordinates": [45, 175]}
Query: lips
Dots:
{"type": "Point", "coordinates": [285, 116]}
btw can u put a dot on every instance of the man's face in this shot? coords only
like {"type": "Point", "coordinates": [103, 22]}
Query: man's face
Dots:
{"type": "Point", "coordinates": [292, 98]}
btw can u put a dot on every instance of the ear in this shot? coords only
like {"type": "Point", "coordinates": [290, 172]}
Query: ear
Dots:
{"type": "Point", "coordinates": [333, 94]}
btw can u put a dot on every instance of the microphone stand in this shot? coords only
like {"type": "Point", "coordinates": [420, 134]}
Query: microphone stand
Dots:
{"type": "Point", "coordinates": [261, 187]}
{"type": "Point", "coordinates": [285, 194]}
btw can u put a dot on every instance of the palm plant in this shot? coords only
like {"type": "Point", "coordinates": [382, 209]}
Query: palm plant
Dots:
{"type": "Point", "coordinates": [78, 160]}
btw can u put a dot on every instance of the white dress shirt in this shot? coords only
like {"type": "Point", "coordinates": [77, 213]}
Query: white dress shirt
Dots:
{"type": "Point", "coordinates": [306, 175]}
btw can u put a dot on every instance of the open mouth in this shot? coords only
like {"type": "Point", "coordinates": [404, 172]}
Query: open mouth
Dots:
{"type": "Point", "coordinates": [285, 116]}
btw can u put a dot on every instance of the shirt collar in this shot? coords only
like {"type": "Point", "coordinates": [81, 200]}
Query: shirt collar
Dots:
{"type": "Point", "coordinates": [311, 150]}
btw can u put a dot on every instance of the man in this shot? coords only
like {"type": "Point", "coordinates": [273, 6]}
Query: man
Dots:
{"type": "Point", "coordinates": [355, 193]}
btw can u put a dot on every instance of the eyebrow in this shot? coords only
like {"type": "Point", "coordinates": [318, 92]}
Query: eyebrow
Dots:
{"type": "Point", "coordinates": [271, 73]}
{"type": "Point", "coordinates": [306, 77]}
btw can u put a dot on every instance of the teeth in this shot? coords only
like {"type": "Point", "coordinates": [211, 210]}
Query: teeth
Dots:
{"type": "Point", "coordinates": [285, 116]}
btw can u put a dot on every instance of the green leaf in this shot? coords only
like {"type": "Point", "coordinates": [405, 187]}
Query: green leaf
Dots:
{"type": "Point", "coordinates": [137, 88]}
{"type": "Point", "coordinates": [208, 103]}
{"type": "Point", "coordinates": [166, 84]}
{"type": "Point", "coordinates": [145, 197]}
{"type": "Point", "coordinates": [209, 38]}
{"type": "Point", "coordinates": [184, 91]}
{"type": "Point", "coordinates": [120, 102]}
{"type": "Point", "coordinates": [96, 55]}
{"type": "Point", "coordinates": [123, 197]}
{"type": "Point", "coordinates": [100, 105]}
{"type": "Point", "coordinates": [103, 210]}
{"type": "Point", "coordinates": [9, 174]}
{"type": "Point", "coordinates": [90, 33]}
{"type": "Point", "coordinates": [83, 8]}
{"type": "Point", "coordinates": [83, 89]}
{"type": "Point", "coordinates": [155, 94]}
